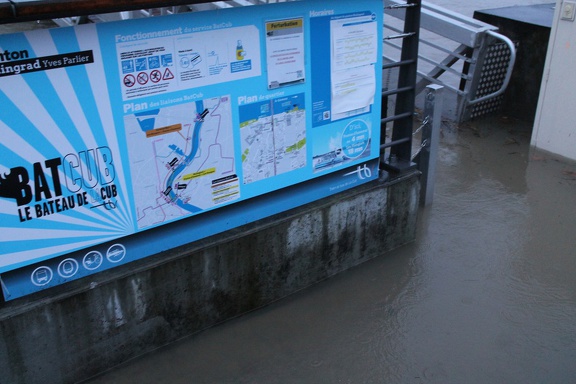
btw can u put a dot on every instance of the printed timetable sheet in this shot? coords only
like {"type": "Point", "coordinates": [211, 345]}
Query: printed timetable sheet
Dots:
{"type": "Point", "coordinates": [353, 55]}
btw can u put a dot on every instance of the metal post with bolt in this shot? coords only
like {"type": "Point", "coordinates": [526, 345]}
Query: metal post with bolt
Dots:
{"type": "Point", "coordinates": [433, 103]}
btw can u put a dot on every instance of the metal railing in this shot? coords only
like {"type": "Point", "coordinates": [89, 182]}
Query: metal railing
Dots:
{"type": "Point", "coordinates": [397, 152]}
{"type": "Point", "coordinates": [454, 52]}
{"type": "Point", "coordinates": [401, 153]}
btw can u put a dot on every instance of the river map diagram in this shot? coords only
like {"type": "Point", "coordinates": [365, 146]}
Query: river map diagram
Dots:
{"type": "Point", "coordinates": [181, 160]}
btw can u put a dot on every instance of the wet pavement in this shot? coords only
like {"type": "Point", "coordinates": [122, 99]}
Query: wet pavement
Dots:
{"type": "Point", "coordinates": [486, 294]}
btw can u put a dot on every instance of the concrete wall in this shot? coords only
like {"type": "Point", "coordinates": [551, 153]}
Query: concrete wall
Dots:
{"type": "Point", "coordinates": [555, 124]}
{"type": "Point", "coordinates": [75, 331]}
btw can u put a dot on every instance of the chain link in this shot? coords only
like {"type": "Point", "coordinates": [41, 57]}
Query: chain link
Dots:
{"type": "Point", "coordinates": [424, 123]}
{"type": "Point", "coordinates": [422, 146]}
{"type": "Point", "coordinates": [417, 131]}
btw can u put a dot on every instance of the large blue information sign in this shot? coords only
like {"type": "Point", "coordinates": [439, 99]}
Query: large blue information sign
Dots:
{"type": "Point", "coordinates": [122, 140]}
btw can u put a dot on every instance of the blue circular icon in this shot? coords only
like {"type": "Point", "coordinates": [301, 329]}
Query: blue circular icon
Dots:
{"type": "Point", "coordinates": [116, 253]}
{"type": "Point", "coordinates": [92, 260]}
{"type": "Point", "coordinates": [355, 139]}
{"type": "Point", "coordinates": [41, 276]}
{"type": "Point", "coordinates": [68, 268]}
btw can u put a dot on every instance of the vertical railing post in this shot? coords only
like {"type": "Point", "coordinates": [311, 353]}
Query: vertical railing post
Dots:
{"type": "Point", "coordinates": [407, 79]}
{"type": "Point", "coordinates": [433, 102]}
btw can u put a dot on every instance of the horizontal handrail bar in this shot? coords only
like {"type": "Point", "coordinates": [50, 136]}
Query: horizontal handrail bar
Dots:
{"type": "Point", "coordinates": [400, 36]}
{"type": "Point", "coordinates": [399, 6]}
{"type": "Point", "coordinates": [396, 64]}
{"type": "Point", "coordinates": [464, 30]}
{"type": "Point", "coordinates": [445, 67]}
{"type": "Point", "coordinates": [397, 91]}
{"type": "Point", "coordinates": [393, 143]}
{"type": "Point", "coordinates": [448, 51]}
{"type": "Point", "coordinates": [436, 81]}
{"type": "Point", "coordinates": [396, 117]}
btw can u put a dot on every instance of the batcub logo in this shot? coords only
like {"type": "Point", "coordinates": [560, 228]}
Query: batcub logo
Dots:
{"type": "Point", "coordinates": [89, 179]}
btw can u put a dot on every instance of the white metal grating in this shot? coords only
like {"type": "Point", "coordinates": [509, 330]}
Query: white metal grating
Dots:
{"type": "Point", "coordinates": [492, 77]}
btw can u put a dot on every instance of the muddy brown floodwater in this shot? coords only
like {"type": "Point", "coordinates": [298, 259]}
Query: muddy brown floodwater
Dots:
{"type": "Point", "coordinates": [486, 294]}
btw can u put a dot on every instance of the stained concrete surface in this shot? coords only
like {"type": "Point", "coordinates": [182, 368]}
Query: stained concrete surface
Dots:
{"type": "Point", "coordinates": [485, 294]}
{"type": "Point", "coordinates": [94, 324]}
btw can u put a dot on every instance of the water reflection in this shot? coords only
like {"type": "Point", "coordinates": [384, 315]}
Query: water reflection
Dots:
{"type": "Point", "coordinates": [486, 293]}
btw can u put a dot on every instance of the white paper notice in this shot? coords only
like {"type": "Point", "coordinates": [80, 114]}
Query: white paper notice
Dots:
{"type": "Point", "coordinates": [354, 50]}
{"type": "Point", "coordinates": [285, 52]}
{"type": "Point", "coordinates": [353, 91]}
